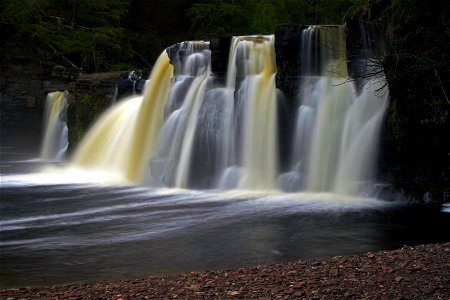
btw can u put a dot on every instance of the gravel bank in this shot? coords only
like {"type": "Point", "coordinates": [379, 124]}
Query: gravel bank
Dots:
{"type": "Point", "coordinates": [420, 272]}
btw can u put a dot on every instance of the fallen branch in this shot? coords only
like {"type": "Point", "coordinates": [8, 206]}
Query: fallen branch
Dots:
{"type": "Point", "coordinates": [63, 57]}
{"type": "Point", "coordinates": [143, 59]}
{"type": "Point", "coordinates": [442, 87]}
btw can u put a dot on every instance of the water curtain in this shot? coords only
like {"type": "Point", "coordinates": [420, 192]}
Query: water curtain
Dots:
{"type": "Point", "coordinates": [55, 132]}
{"type": "Point", "coordinates": [192, 130]}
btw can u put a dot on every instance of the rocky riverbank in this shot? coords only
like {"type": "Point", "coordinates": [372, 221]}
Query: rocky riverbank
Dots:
{"type": "Point", "coordinates": [420, 272]}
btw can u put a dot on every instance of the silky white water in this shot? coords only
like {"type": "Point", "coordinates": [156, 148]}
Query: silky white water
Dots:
{"type": "Point", "coordinates": [258, 108]}
{"type": "Point", "coordinates": [189, 130]}
{"type": "Point", "coordinates": [122, 140]}
{"type": "Point", "coordinates": [55, 133]}
{"type": "Point", "coordinates": [337, 131]}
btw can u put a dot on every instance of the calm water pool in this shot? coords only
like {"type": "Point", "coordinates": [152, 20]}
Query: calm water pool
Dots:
{"type": "Point", "coordinates": [59, 227]}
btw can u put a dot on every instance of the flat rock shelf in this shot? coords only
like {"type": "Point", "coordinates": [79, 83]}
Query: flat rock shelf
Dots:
{"type": "Point", "coordinates": [420, 272]}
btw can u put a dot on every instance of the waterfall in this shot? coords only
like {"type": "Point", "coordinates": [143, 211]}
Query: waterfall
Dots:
{"type": "Point", "coordinates": [115, 94]}
{"type": "Point", "coordinates": [258, 105]}
{"type": "Point", "coordinates": [171, 164]}
{"type": "Point", "coordinates": [123, 138]}
{"type": "Point", "coordinates": [192, 129]}
{"type": "Point", "coordinates": [337, 130]}
{"type": "Point", "coordinates": [55, 132]}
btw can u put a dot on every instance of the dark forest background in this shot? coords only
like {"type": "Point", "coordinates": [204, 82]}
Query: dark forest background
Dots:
{"type": "Point", "coordinates": [112, 34]}
{"type": "Point", "coordinates": [108, 35]}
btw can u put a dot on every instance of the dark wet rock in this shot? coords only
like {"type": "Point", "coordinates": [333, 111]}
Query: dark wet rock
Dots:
{"type": "Point", "coordinates": [220, 48]}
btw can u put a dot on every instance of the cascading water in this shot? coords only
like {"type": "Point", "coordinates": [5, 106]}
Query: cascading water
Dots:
{"type": "Point", "coordinates": [336, 130]}
{"type": "Point", "coordinates": [55, 133]}
{"type": "Point", "coordinates": [191, 131]}
{"type": "Point", "coordinates": [258, 108]}
{"type": "Point", "coordinates": [212, 129]}
{"type": "Point", "coordinates": [123, 139]}
{"type": "Point", "coordinates": [171, 163]}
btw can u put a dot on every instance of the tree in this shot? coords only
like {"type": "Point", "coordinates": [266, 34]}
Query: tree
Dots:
{"type": "Point", "coordinates": [244, 17]}
{"type": "Point", "coordinates": [266, 15]}
{"type": "Point", "coordinates": [216, 18]}
{"type": "Point", "coordinates": [91, 29]}
{"type": "Point", "coordinates": [417, 68]}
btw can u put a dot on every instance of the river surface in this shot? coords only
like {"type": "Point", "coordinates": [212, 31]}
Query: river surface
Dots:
{"type": "Point", "coordinates": [63, 226]}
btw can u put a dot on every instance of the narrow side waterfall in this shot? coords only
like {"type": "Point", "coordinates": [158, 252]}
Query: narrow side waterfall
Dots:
{"type": "Point", "coordinates": [194, 129]}
{"type": "Point", "coordinates": [55, 133]}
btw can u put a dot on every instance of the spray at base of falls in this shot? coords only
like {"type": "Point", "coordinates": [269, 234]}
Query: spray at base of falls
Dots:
{"type": "Point", "coordinates": [55, 133]}
{"type": "Point", "coordinates": [190, 131]}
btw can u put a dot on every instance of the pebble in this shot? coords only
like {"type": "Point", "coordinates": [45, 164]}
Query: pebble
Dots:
{"type": "Point", "coordinates": [395, 274]}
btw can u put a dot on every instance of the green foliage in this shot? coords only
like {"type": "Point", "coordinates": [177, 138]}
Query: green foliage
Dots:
{"type": "Point", "coordinates": [23, 16]}
{"type": "Point", "coordinates": [417, 68]}
{"type": "Point", "coordinates": [82, 113]}
{"type": "Point", "coordinates": [419, 59]}
{"type": "Point", "coordinates": [90, 28]}
{"type": "Point", "coordinates": [215, 17]}
{"type": "Point", "coordinates": [265, 16]}
{"type": "Point", "coordinates": [417, 20]}
{"type": "Point", "coordinates": [92, 32]}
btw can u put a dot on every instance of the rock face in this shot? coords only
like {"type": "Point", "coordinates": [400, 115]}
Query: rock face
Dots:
{"type": "Point", "coordinates": [129, 83]}
{"type": "Point", "coordinates": [287, 44]}
{"type": "Point", "coordinates": [100, 84]}
{"type": "Point", "coordinates": [25, 82]}
{"type": "Point", "coordinates": [220, 49]}
{"type": "Point", "coordinates": [91, 94]}
{"type": "Point", "coordinates": [25, 79]}
{"type": "Point", "coordinates": [26, 76]}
